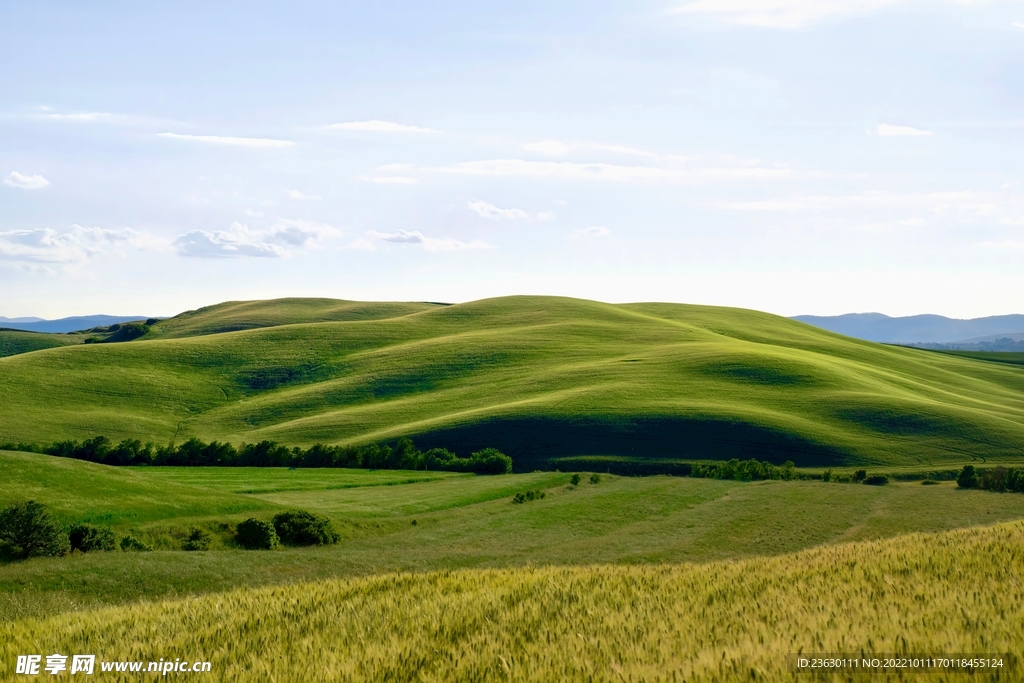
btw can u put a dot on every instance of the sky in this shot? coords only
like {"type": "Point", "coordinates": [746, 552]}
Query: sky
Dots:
{"type": "Point", "coordinates": [792, 156]}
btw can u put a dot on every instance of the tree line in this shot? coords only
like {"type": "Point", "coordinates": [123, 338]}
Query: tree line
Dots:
{"type": "Point", "coordinates": [403, 455]}
{"type": "Point", "coordinates": [994, 479]}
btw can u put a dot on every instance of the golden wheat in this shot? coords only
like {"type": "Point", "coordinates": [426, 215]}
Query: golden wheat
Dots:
{"type": "Point", "coordinates": [939, 593]}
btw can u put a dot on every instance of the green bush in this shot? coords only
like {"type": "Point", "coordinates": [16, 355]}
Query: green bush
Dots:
{"type": "Point", "coordinates": [88, 538]}
{"type": "Point", "coordinates": [197, 539]}
{"type": "Point", "coordinates": [256, 534]}
{"type": "Point", "coordinates": [968, 478]}
{"type": "Point", "coordinates": [299, 527]}
{"type": "Point", "coordinates": [521, 498]}
{"type": "Point", "coordinates": [595, 478]}
{"type": "Point", "coordinates": [30, 529]}
{"type": "Point", "coordinates": [131, 544]}
{"type": "Point", "coordinates": [876, 480]}
{"type": "Point", "coordinates": [860, 475]}
{"type": "Point", "coordinates": [574, 479]}
{"type": "Point", "coordinates": [929, 482]}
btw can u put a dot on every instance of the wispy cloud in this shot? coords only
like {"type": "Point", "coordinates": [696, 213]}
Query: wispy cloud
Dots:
{"type": "Point", "coordinates": [785, 14]}
{"type": "Point", "coordinates": [558, 148]}
{"type": "Point", "coordinates": [428, 243]}
{"type": "Point", "coordinates": [390, 179]}
{"type": "Point", "coordinates": [26, 182]}
{"type": "Point", "coordinates": [259, 143]}
{"type": "Point", "coordinates": [889, 130]}
{"type": "Point", "coordinates": [592, 231]}
{"type": "Point", "coordinates": [614, 173]}
{"type": "Point", "coordinates": [240, 241]}
{"type": "Point", "coordinates": [485, 210]}
{"type": "Point", "coordinates": [46, 245]}
{"type": "Point", "coordinates": [295, 194]}
{"type": "Point", "coordinates": [375, 126]}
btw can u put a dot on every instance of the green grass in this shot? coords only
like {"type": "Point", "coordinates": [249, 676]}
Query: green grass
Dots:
{"type": "Point", "coordinates": [462, 521]}
{"type": "Point", "coordinates": [13, 342]}
{"type": "Point", "coordinates": [538, 377]}
{"type": "Point", "coordinates": [955, 592]}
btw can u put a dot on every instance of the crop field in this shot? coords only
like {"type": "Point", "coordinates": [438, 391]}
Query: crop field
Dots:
{"type": "Point", "coordinates": [537, 377]}
{"type": "Point", "coordinates": [954, 592]}
{"type": "Point", "coordinates": [461, 521]}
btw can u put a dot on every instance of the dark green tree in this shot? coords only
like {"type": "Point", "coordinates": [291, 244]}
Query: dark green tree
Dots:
{"type": "Point", "coordinates": [29, 529]}
{"type": "Point", "coordinates": [968, 478]}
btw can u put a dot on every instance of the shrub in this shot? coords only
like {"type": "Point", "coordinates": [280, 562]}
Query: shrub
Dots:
{"type": "Point", "coordinates": [595, 478]}
{"type": "Point", "coordinates": [876, 480]}
{"type": "Point", "coordinates": [534, 494]}
{"type": "Point", "coordinates": [256, 534]}
{"type": "Point", "coordinates": [929, 482]}
{"type": "Point", "coordinates": [298, 527]}
{"type": "Point", "coordinates": [993, 479]}
{"type": "Point", "coordinates": [968, 478]}
{"type": "Point", "coordinates": [30, 529]}
{"type": "Point", "coordinates": [197, 539]}
{"type": "Point", "coordinates": [131, 544]}
{"type": "Point", "coordinates": [490, 461]}
{"type": "Point", "coordinates": [826, 475]}
{"type": "Point", "coordinates": [88, 538]}
{"type": "Point", "coordinates": [574, 479]}
{"type": "Point", "coordinates": [860, 475]}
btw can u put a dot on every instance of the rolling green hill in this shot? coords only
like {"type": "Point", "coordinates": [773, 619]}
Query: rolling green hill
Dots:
{"type": "Point", "coordinates": [13, 342]}
{"type": "Point", "coordinates": [538, 377]}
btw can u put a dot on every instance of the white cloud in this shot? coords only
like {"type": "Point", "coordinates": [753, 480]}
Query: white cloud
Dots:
{"type": "Point", "coordinates": [485, 210]}
{"type": "Point", "coordinates": [390, 179]}
{"type": "Point", "coordinates": [26, 182]}
{"type": "Point", "coordinates": [295, 194]}
{"type": "Point", "coordinates": [46, 245]}
{"type": "Point", "coordinates": [602, 172]}
{"type": "Point", "coordinates": [546, 216]}
{"type": "Point", "coordinates": [429, 243]}
{"type": "Point", "coordinates": [1005, 244]}
{"type": "Point", "coordinates": [375, 126]}
{"type": "Point", "coordinates": [83, 116]}
{"type": "Point", "coordinates": [592, 231]}
{"type": "Point", "coordinates": [364, 245]}
{"type": "Point", "coordinates": [397, 168]}
{"type": "Point", "coordinates": [789, 14]}
{"type": "Point", "coordinates": [889, 130]}
{"type": "Point", "coordinates": [238, 240]}
{"type": "Point", "coordinates": [259, 143]}
{"type": "Point", "coordinates": [1017, 24]}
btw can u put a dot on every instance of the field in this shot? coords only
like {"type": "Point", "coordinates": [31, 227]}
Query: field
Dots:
{"type": "Point", "coordinates": [462, 521]}
{"type": "Point", "coordinates": [537, 377]}
{"type": "Point", "coordinates": [956, 592]}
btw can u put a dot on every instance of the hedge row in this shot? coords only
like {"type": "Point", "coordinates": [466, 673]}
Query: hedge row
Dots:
{"type": "Point", "coordinates": [196, 453]}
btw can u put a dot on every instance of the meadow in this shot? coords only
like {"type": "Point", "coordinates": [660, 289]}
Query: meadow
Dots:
{"type": "Point", "coordinates": [461, 521]}
{"type": "Point", "coordinates": [953, 592]}
{"type": "Point", "coordinates": [536, 377]}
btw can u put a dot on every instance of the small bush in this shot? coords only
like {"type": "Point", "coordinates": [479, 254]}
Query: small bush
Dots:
{"type": "Point", "coordinates": [860, 475]}
{"type": "Point", "coordinates": [826, 475]}
{"type": "Point", "coordinates": [256, 534]}
{"type": "Point", "coordinates": [197, 539]}
{"type": "Point", "coordinates": [30, 529]}
{"type": "Point", "coordinates": [298, 527]}
{"type": "Point", "coordinates": [131, 544]}
{"type": "Point", "coordinates": [876, 480]}
{"type": "Point", "coordinates": [87, 538]}
{"type": "Point", "coordinates": [534, 494]}
{"type": "Point", "coordinates": [574, 480]}
{"type": "Point", "coordinates": [929, 482]}
{"type": "Point", "coordinates": [968, 478]}
{"type": "Point", "coordinates": [595, 478]}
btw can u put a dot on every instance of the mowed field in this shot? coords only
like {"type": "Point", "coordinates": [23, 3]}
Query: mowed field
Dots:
{"type": "Point", "coordinates": [461, 522]}
{"type": "Point", "coordinates": [537, 377]}
{"type": "Point", "coordinates": [589, 583]}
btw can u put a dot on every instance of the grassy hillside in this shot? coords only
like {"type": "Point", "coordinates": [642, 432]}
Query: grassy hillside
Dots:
{"type": "Point", "coordinates": [13, 342]}
{"type": "Point", "coordinates": [537, 377]}
{"type": "Point", "coordinates": [462, 521]}
{"type": "Point", "coordinates": [954, 592]}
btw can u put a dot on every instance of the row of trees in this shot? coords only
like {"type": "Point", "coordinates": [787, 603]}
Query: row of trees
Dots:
{"type": "Point", "coordinates": [743, 470]}
{"type": "Point", "coordinates": [197, 453]}
{"type": "Point", "coordinates": [994, 479]}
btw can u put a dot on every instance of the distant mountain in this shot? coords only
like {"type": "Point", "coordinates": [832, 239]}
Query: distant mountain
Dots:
{"type": "Point", "coordinates": [82, 322]}
{"type": "Point", "coordinates": [916, 329]}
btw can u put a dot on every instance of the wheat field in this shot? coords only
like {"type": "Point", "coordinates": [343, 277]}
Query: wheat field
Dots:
{"type": "Point", "coordinates": [954, 592]}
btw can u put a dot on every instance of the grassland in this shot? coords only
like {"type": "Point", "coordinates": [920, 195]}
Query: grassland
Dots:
{"type": "Point", "coordinates": [537, 377]}
{"type": "Point", "coordinates": [462, 521]}
{"type": "Point", "coordinates": [955, 592]}
{"type": "Point", "coordinates": [14, 342]}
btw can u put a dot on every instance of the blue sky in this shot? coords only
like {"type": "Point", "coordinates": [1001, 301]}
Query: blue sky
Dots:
{"type": "Point", "coordinates": [794, 156]}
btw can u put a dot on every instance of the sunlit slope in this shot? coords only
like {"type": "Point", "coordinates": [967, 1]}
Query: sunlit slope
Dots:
{"type": "Point", "coordinates": [537, 377]}
{"type": "Point", "coordinates": [948, 593]}
{"type": "Point", "coordinates": [13, 342]}
{"type": "Point", "coordinates": [232, 316]}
